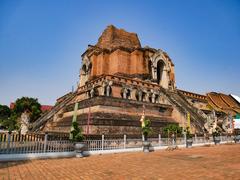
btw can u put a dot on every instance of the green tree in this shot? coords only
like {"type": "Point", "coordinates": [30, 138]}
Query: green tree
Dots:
{"type": "Point", "coordinates": [27, 104]}
{"type": "Point", "coordinates": [5, 112]}
{"type": "Point", "coordinates": [7, 119]}
{"type": "Point", "coordinates": [10, 123]}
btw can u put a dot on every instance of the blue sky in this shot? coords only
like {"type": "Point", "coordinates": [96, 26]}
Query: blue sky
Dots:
{"type": "Point", "coordinates": [41, 42]}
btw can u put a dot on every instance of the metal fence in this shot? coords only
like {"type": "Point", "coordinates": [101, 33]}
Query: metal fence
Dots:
{"type": "Point", "coordinates": [44, 143]}
{"type": "Point", "coordinates": [126, 143]}
{"type": "Point", "coordinates": [33, 143]}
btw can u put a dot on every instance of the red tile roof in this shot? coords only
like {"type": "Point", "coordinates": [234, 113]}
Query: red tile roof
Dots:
{"type": "Point", "coordinates": [46, 107]}
{"type": "Point", "coordinates": [224, 102]}
{"type": "Point", "coordinates": [43, 107]}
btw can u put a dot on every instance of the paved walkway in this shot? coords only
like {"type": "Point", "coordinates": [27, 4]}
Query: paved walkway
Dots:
{"type": "Point", "coordinates": [215, 162]}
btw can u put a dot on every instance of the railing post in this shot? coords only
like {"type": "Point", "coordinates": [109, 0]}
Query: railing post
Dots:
{"type": "Point", "coordinates": [185, 138]}
{"type": "Point", "coordinates": [196, 139]}
{"type": "Point", "coordinates": [159, 139]}
{"type": "Point", "coordinates": [124, 141]}
{"type": "Point", "coordinates": [143, 137]}
{"type": "Point", "coordinates": [45, 142]}
{"type": "Point", "coordinates": [8, 142]}
{"type": "Point", "coordinates": [103, 142]}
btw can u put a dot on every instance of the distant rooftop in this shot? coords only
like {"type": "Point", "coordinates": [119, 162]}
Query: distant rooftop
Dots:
{"type": "Point", "coordinates": [237, 98]}
{"type": "Point", "coordinates": [43, 107]}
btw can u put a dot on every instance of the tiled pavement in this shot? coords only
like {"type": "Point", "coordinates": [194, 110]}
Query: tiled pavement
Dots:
{"type": "Point", "coordinates": [215, 162]}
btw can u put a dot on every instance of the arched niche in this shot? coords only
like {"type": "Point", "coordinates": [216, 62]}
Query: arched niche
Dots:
{"type": "Point", "coordinates": [160, 68]}
{"type": "Point", "coordinates": [84, 69]}
{"type": "Point", "coordinates": [89, 68]}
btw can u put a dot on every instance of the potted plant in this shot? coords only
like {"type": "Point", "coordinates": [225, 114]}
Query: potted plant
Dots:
{"type": "Point", "coordinates": [216, 136]}
{"type": "Point", "coordinates": [146, 130]}
{"type": "Point", "coordinates": [236, 139]}
{"type": "Point", "coordinates": [189, 139]}
{"type": "Point", "coordinates": [236, 134]}
{"type": "Point", "coordinates": [77, 138]}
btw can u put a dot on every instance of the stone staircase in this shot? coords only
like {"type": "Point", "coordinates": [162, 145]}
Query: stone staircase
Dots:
{"type": "Point", "coordinates": [36, 126]}
{"type": "Point", "coordinates": [198, 117]}
{"type": "Point", "coordinates": [210, 125]}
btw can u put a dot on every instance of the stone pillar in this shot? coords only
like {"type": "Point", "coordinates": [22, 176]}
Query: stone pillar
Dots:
{"type": "Point", "coordinates": [92, 92]}
{"type": "Point", "coordinates": [87, 94]}
{"type": "Point", "coordinates": [130, 93]}
{"type": "Point", "coordinates": [108, 90]}
{"type": "Point", "coordinates": [125, 93]}
{"type": "Point", "coordinates": [154, 73]}
{"type": "Point", "coordinates": [133, 93]}
{"type": "Point", "coordinates": [153, 97]}
{"type": "Point", "coordinates": [140, 94]}
{"type": "Point", "coordinates": [147, 97]}
{"type": "Point", "coordinates": [159, 98]}
{"type": "Point", "coordinates": [102, 90]}
{"type": "Point", "coordinates": [164, 79]}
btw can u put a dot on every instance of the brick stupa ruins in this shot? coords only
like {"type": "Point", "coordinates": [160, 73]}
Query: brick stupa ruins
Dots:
{"type": "Point", "coordinates": [119, 79]}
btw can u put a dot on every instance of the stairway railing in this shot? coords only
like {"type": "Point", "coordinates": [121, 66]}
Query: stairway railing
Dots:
{"type": "Point", "coordinates": [43, 119]}
{"type": "Point", "coordinates": [185, 106]}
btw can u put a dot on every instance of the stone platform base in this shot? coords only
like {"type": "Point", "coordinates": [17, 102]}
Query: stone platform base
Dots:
{"type": "Point", "coordinates": [110, 115]}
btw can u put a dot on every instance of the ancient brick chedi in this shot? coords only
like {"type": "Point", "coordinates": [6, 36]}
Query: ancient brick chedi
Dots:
{"type": "Point", "coordinates": [119, 79]}
{"type": "Point", "coordinates": [120, 53]}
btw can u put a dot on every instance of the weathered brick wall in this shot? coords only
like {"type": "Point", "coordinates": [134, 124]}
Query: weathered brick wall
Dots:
{"type": "Point", "coordinates": [119, 61]}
